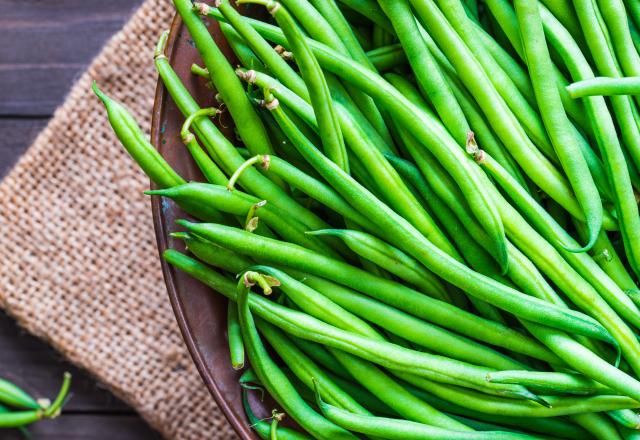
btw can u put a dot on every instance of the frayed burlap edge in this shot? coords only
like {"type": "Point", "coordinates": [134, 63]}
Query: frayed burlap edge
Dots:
{"type": "Point", "coordinates": [79, 263]}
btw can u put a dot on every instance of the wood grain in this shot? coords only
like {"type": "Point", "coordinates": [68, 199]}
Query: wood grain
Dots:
{"type": "Point", "coordinates": [45, 46]}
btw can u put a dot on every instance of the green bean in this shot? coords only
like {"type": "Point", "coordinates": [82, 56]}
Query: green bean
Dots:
{"type": "Point", "coordinates": [598, 425]}
{"type": "Point", "coordinates": [239, 203]}
{"type": "Point", "coordinates": [262, 49]}
{"type": "Point", "coordinates": [219, 147]}
{"type": "Point", "coordinates": [425, 68]}
{"type": "Point", "coordinates": [626, 418]}
{"type": "Point", "coordinates": [387, 57]}
{"type": "Point", "coordinates": [236, 346]}
{"type": "Point", "coordinates": [280, 68]}
{"type": "Point", "coordinates": [391, 319]}
{"type": "Point", "coordinates": [391, 259]}
{"type": "Point", "coordinates": [563, 346]}
{"type": "Point", "coordinates": [148, 158]}
{"type": "Point", "coordinates": [209, 169]}
{"type": "Point", "coordinates": [432, 134]}
{"type": "Point", "coordinates": [248, 123]}
{"type": "Point", "coordinates": [604, 254]}
{"type": "Point", "coordinates": [272, 377]}
{"type": "Point", "coordinates": [533, 211]}
{"type": "Point", "coordinates": [473, 253]}
{"type": "Point", "coordinates": [564, 139]}
{"type": "Point", "coordinates": [214, 255]}
{"type": "Point", "coordinates": [18, 419]}
{"type": "Point", "coordinates": [550, 382]}
{"type": "Point", "coordinates": [318, 305]}
{"type": "Point", "coordinates": [305, 369]}
{"type": "Point", "coordinates": [607, 66]}
{"type": "Point", "coordinates": [263, 429]}
{"type": "Point", "coordinates": [607, 138]}
{"type": "Point", "coordinates": [415, 330]}
{"type": "Point", "coordinates": [136, 144]}
{"type": "Point", "coordinates": [242, 51]}
{"type": "Point", "coordinates": [473, 114]}
{"type": "Point", "coordinates": [517, 104]}
{"type": "Point", "coordinates": [544, 174]}
{"type": "Point", "coordinates": [603, 86]}
{"type": "Point", "coordinates": [375, 349]}
{"type": "Point", "coordinates": [558, 405]}
{"type": "Point", "coordinates": [11, 394]}
{"type": "Point", "coordinates": [402, 429]}
{"type": "Point", "coordinates": [394, 395]}
{"type": "Point", "coordinates": [371, 10]}
{"type": "Point", "coordinates": [585, 361]}
{"type": "Point", "coordinates": [312, 74]}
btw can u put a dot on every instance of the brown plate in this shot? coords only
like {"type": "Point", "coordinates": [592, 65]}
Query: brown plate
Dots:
{"type": "Point", "coordinates": [201, 313]}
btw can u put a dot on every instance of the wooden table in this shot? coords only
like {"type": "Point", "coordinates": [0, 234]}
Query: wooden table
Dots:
{"type": "Point", "coordinates": [44, 46]}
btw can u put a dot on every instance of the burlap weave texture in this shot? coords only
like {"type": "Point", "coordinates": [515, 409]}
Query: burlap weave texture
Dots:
{"type": "Point", "coordinates": [79, 265]}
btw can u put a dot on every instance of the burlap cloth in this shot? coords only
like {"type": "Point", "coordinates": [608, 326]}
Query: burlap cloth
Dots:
{"type": "Point", "coordinates": [78, 260]}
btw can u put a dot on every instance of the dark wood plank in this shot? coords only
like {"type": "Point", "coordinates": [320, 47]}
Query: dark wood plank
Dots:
{"type": "Point", "coordinates": [47, 44]}
{"type": "Point", "coordinates": [15, 137]}
{"type": "Point", "coordinates": [87, 427]}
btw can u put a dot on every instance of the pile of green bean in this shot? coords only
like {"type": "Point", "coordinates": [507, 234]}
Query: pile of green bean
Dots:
{"type": "Point", "coordinates": [428, 227]}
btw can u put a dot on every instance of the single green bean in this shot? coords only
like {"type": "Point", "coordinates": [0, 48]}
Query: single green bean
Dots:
{"type": "Point", "coordinates": [550, 382]}
{"type": "Point", "coordinates": [598, 425]}
{"type": "Point", "coordinates": [603, 86]}
{"type": "Point", "coordinates": [625, 417]}
{"type": "Point", "coordinates": [209, 169]}
{"type": "Point", "coordinates": [11, 394]}
{"type": "Point", "coordinates": [148, 158]}
{"type": "Point", "coordinates": [234, 337]}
